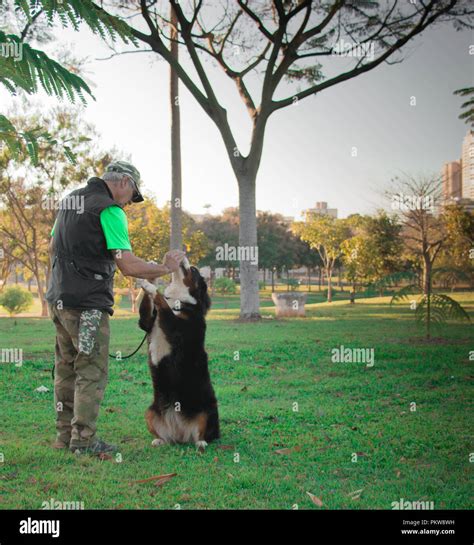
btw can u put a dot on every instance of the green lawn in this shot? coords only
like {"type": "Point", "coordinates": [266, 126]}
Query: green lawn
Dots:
{"type": "Point", "coordinates": [343, 408]}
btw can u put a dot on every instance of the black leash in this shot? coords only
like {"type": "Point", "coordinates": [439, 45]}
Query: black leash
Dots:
{"type": "Point", "coordinates": [115, 357]}
{"type": "Point", "coordinates": [132, 354]}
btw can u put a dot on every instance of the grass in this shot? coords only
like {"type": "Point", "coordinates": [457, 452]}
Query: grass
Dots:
{"type": "Point", "coordinates": [283, 365]}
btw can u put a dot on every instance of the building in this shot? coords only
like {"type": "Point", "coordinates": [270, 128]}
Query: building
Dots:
{"type": "Point", "coordinates": [452, 180]}
{"type": "Point", "coordinates": [467, 166]}
{"type": "Point", "coordinates": [321, 209]}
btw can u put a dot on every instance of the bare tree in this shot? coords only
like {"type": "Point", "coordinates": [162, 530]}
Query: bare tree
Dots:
{"type": "Point", "coordinates": [291, 40]}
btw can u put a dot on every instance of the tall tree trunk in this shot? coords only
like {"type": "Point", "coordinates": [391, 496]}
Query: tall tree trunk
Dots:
{"type": "Point", "coordinates": [273, 280]}
{"type": "Point", "coordinates": [176, 240]}
{"type": "Point", "coordinates": [329, 277]}
{"type": "Point", "coordinates": [41, 296]}
{"type": "Point", "coordinates": [427, 291]}
{"type": "Point", "coordinates": [309, 278]}
{"type": "Point", "coordinates": [320, 279]}
{"type": "Point", "coordinates": [132, 295]}
{"type": "Point", "coordinates": [249, 296]}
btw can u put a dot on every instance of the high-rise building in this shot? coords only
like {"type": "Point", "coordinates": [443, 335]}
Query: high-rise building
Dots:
{"type": "Point", "coordinates": [467, 162]}
{"type": "Point", "coordinates": [321, 209]}
{"type": "Point", "coordinates": [452, 180]}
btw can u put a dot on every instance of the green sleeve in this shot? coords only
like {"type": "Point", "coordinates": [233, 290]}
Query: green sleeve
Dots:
{"type": "Point", "coordinates": [115, 226]}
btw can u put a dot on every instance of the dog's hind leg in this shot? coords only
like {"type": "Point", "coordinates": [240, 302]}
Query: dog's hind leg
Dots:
{"type": "Point", "coordinates": [201, 425]}
{"type": "Point", "coordinates": [150, 420]}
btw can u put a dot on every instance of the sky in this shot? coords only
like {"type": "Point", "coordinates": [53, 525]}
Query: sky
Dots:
{"type": "Point", "coordinates": [309, 147]}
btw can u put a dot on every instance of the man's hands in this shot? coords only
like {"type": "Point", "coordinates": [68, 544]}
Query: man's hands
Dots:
{"type": "Point", "coordinates": [131, 265]}
{"type": "Point", "coordinates": [172, 259]}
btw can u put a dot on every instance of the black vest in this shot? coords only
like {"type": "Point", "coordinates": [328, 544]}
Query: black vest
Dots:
{"type": "Point", "coordinates": [82, 275]}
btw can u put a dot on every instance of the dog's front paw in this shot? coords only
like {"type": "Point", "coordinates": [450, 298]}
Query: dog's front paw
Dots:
{"type": "Point", "coordinates": [201, 445]}
{"type": "Point", "coordinates": [158, 442]}
{"type": "Point", "coordinates": [147, 286]}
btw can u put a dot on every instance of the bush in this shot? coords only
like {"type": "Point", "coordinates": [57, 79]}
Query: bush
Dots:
{"type": "Point", "coordinates": [16, 300]}
{"type": "Point", "coordinates": [225, 286]}
{"type": "Point", "coordinates": [117, 300]}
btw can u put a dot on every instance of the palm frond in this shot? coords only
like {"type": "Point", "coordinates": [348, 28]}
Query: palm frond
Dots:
{"type": "Point", "coordinates": [403, 293]}
{"type": "Point", "coordinates": [442, 309]}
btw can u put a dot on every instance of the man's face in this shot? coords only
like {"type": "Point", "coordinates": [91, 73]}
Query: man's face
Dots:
{"type": "Point", "coordinates": [125, 191]}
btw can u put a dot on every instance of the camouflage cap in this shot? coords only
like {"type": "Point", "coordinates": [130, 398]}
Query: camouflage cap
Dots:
{"type": "Point", "coordinates": [126, 168]}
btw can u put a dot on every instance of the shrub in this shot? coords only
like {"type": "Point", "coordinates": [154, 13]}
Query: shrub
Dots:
{"type": "Point", "coordinates": [16, 300]}
{"type": "Point", "coordinates": [117, 300]}
{"type": "Point", "coordinates": [225, 286]}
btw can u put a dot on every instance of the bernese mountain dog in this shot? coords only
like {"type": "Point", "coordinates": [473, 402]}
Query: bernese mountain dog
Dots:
{"type": "Point", "coordinates": [184, 407]}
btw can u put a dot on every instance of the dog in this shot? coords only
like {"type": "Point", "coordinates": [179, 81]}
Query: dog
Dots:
{"type": "Point", "coordinates": [184, 407]}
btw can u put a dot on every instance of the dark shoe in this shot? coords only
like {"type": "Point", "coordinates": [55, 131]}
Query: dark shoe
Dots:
{"type": "Point", "coordinates": [96, 448]}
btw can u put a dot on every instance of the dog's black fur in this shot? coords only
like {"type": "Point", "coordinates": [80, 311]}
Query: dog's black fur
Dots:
{"type": "Point", "coordinates": [181, 376]}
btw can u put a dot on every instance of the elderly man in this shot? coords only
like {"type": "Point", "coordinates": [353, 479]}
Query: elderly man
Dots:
{"type": "Point", "coordinates": [87, 245]}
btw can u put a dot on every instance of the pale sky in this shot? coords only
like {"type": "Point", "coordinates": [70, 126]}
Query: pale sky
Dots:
{"type": "Point", "coordinates": [307, 153]}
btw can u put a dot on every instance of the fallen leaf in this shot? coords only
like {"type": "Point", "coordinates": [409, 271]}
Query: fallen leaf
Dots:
{"type": "Point", "coordinates": [287, 450]}
{"type": "Point", "coordinates": [354, 428]}
{"type": "Point", "coordinates": [215, 459]}
{"type": "Point", "coordinates": [315, 499]}
{"type": "Point", "coordinates": [165, 479]}
{"type": "Point", "coordinates": [226, 447]}
{"type": "Point", "coordinates": [104, 456]}
{"type": "Point", "coordinates": [155, 478]}
{"type": "Point", "coordinates": [244, 389]}
{"type": "Point", "coordinates": [356, 494]}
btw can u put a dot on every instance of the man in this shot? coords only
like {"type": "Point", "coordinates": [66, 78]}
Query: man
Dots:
{"type": "Point", "coordinates": [87, 245]}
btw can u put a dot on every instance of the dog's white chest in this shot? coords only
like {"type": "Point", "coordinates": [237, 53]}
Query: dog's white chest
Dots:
{"type": "Point", "coordinates": [159, 346]}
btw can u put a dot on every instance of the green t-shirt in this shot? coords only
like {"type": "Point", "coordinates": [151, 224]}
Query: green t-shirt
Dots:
{"type": "Point", "coordinates": [115, 226]}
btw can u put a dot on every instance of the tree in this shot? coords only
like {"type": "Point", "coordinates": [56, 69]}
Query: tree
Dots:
{"type": "Point", "coordinates": [418, 201]}
{"type": "Point", "coordinates": [16, 300]}
{"type": "Point", "coordinates": [431, 307]}
{"type": "Point", "coordinates": [290, 37]}
{"type": "Point", "coordinates": [31, 202]}
{"type": "Point", "coordinates": [374, 249]}
{"type": "Point", "coordinates": [325, 234]}
{"type": "Point", "coordinates": [25, 68]}
{"type": "Point", "coordinates": [276, 244]}
{"type": "Point", "coordinates": [457, 251]}
{"type": "Point", "coordinates": [468, 114]}
{"type": "Point", "coordinates": [220, 230]}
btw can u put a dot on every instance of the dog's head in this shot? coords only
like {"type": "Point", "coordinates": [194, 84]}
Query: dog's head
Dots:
{"type": "Point", "coordinates": [187, 286]}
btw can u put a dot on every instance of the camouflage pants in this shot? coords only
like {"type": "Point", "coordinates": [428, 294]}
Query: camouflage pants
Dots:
{"type": "Point", "coordinates": [81, 370]}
